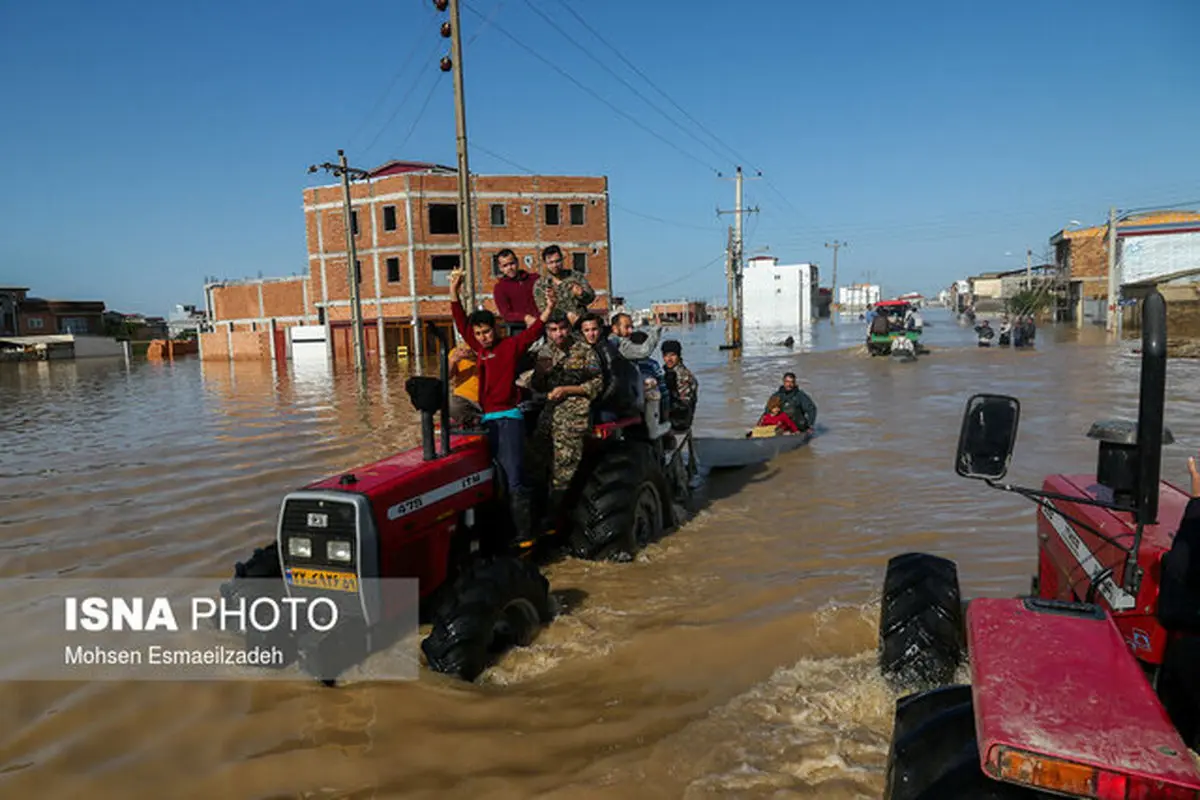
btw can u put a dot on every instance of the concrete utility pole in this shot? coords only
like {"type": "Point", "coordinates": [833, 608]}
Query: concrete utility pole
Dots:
{"type": "Point", "coordinates": [1110, 322]}
{"type": "Point", "coordinates": [1029, 269]}
{"type": "Point", "coordinates": [737, 259]}
{"type": "Point", "coordinates": [833, 302]}
{"type": "Point", "coordinates": [731, 332]}
{"type": "Point", "coordinates": [352, 273]}
{"type": "Point", "coordinates": [452, 30]}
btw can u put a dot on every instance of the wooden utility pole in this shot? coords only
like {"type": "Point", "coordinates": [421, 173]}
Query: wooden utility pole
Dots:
{"type": "Point", "coordinates": [452, 30]}
{"type": "Point", "coordinates": [833, 301]}
{"type": "Point", "coordinates": [1110, 322]}
{"type": "Point", "coordinates": [737, 250]}
{"type": "Point", "coordinates": [344, 171]}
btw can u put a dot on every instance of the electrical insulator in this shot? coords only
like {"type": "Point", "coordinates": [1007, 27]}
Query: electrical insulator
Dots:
{"type": "Point", "coordinates": [445, 30]}
{"type": "Point", "coordinates": [441, 5]}
{"type": "Point", "coordinates": [446, 64]}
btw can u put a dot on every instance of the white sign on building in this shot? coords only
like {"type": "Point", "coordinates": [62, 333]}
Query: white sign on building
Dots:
{"type": "Point", "coordinates": [778, 297]}
{"type": "Point", "coordinates": [1149, 257]}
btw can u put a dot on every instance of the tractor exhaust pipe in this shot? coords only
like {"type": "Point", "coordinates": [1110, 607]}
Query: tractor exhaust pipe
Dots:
{"type": "Point", "coordinates": [431, 395]}
{"type": "Point", "coordinates": [1151, 400]}
{"type": "Point", "coordinates": [444, 371]}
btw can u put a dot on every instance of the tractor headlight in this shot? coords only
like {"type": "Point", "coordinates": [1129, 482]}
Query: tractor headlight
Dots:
{"type": "Point", "coordinates": [336, 550]}
{"type": "Point", "coordinates": [300, 547]}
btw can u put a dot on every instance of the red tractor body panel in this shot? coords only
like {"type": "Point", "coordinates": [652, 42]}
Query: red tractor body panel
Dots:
{"type": "Point", "coordinates": [416, 505]}
{"type": "Point", "coordinates": [1076, 564]}
{"type": "Point", "coordinates": [1062, 685]}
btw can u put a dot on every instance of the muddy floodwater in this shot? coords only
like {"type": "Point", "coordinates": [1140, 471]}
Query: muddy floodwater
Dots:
{"type": "Point", "coordinates": [735, 658]}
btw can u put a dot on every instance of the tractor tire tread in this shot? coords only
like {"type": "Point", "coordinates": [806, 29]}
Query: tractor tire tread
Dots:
{"type": "Point", "coordinates": [601, 522]}
{"type": "Point", "coordinates": [921, 640]}
{"type": "Point", "coordinates": [462, 626]}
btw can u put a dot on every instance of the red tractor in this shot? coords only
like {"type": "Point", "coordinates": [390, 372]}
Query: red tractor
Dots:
{"type": "Point", "coordinates": [1089, 686]}
{"type": "Point", "coordinates": [440, 516]}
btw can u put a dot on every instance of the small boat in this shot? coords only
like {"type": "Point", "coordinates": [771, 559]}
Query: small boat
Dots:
{"type": "Point", "coordinates": [757, 447]}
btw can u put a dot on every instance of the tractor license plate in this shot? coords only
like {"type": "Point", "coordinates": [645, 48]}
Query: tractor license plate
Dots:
{"type": "Point", "coordinates": [322, 579]}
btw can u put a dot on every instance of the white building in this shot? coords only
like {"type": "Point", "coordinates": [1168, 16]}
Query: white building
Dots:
{"type": "Point", "coordinates": [778, 297]}
{"type": "Point", "coordinates": [857, 296]}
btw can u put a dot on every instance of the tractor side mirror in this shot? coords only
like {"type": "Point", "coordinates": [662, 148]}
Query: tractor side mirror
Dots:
{"type": "Point", "coordinates": [989, 431]}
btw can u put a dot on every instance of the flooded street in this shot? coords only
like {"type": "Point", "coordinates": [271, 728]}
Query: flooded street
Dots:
{"type": "Point", "coordinates": [733, 659]}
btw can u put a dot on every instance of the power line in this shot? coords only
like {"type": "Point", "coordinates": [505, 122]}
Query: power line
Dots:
{"type": "Point", "coordinates": [432, 88]}
{"type": "Point", "coordinates": [411, 88]}
{"type": "Point", "coordinates": [651, 83]}
{"type": "Point", "coordinates": [691, 274]}
{"type": "Point", "coordinates": [626, 83]}
{"type": "Point", "coordinates": [525, 169]}
{"type": "Point", "coordinates": [737, 156]}
{"type": "Point", "coordinates": [412, 51]}
{"type": "Point", "coordinates": [566, 75]}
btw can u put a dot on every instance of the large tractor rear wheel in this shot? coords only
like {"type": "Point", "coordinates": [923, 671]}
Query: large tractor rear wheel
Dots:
{"type": "Point", "coordinates": [495, 604]}
{"type": "Point", "coordinates": [621, 508]}
{"type": "Point", "coordinates": [935, 755]}
{"type": "Point", "coordinates": [921, 642]}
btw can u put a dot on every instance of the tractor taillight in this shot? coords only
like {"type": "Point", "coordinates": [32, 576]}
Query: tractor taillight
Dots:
{"type": "Point", "coordinates": [1080, 780]}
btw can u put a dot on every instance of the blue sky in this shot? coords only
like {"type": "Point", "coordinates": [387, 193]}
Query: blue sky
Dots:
{"type": "Point", "coordinates": [148, 145]}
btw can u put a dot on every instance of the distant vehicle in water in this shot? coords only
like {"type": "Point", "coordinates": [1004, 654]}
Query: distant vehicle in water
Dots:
{"type": "Point", "coordinates": [895, 330]}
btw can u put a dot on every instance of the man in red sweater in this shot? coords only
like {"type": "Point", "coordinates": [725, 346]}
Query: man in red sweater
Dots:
{"type": "Point", "coordinates": [514, 291]}
{"type": "Point", "coordinates": [499, 396]}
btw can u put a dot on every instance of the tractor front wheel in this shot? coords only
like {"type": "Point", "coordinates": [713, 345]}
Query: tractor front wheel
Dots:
{"type": "Point", "coordinates": [496, 603]}
{"type": "Point", "coordinates": [935, 755]}
{"type": "Point", "coordinates": [921, 642]}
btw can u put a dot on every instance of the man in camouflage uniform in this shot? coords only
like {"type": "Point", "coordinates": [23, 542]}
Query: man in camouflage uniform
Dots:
{"type": "Point", "coordinates": [682, 385]}
{"type": "Point", "coordinates": [568, 371]}
{"type": "Point", "coordinates": [573, 294]}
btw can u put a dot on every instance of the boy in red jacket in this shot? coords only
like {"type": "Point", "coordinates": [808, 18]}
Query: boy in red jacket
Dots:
{"type": "Point", "coordinates": [499, 396]}
{"type": "Point", "coordinates": [776, 417]}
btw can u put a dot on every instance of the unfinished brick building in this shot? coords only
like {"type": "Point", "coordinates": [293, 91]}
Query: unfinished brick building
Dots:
{"type": "Point", "coordinates": [405, 223]}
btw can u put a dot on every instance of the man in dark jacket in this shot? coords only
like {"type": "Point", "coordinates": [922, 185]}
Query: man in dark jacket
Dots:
{"type": "Point", "coordinates": [796, 403]}
{"type": "Point", "coordinates": [621, 377]}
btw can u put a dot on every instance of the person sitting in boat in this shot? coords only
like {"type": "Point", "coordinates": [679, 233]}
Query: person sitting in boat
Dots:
{"type": "Point", "coordinates": [681, 384]}
{"type": "Point", "coordinates": [986, 334]}
{"type": "Point", "coordinates": [774, 416]}
{"type": "Point", "coordinates": [795, 403]}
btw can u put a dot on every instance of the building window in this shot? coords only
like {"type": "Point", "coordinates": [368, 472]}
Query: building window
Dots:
{"type": "Point", "coordinates": [389, 218]}
{"type": "Point", "coordinates": [393, 267]}
{"type": "Point", "coordinates": [358, 271]}
{"type": "Point", "coordinates": [354, 222]}
{"type": "Point", "coordinates": [443, 218]}
{"type": "Point", "coordinates": [35, 323]}
{"type": "Point", "coordinates": [576, 213]}
{"type": "Point", "coordinates": [495, 264]}
{"type": "Point", "coordinates": [498, 219]}
{"type": "Point", "coordinates": [579, 263]}
{"type": "Point", "coordinates": [73, 325]}
{"type": "Point", "coordinates": [441, 266]}
{"type": "Point", "coordinates": [551, 213]}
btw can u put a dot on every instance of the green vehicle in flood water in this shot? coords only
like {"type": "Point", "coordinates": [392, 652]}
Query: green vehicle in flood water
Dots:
{"type": "Point", "coordinates": [898, 342]}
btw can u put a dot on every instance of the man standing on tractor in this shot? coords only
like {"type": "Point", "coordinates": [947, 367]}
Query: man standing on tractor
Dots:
{"type": "Point", "coordinates": [681, 384]}
{"type": "Point", "coordinates": [568, 371]}
{"type": "Point", "coordinates": [514, 291]}
{"type": "Point", "coordinates": [796, 403]}
{"type": "Point", "coordinates": [572, 291]}
{"type": "Point", "coordinates": [499, 397]}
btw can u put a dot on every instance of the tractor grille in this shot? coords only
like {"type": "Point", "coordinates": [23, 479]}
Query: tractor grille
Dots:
{"type": "Point", "coordinates": [339, 525]}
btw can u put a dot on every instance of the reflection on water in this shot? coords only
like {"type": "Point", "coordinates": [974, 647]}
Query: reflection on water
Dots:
{"type": "Point", "coordinates": [734, 657]}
